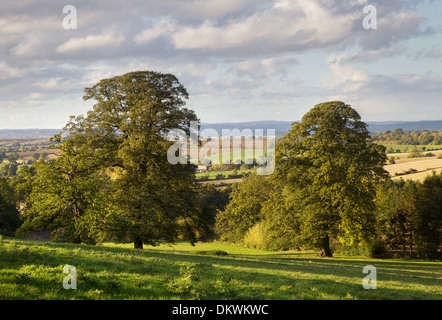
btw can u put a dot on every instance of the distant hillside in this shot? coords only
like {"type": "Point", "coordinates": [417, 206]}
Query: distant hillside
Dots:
{"type": "Point", "coordinates": [377, 127]}
{"type": "Point", "coordinates": [27, 133]}
{"type": "Point", "coordinates": [281, 128]}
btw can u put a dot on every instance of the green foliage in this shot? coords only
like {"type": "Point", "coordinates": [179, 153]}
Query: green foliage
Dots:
{"type": "Point", "coordinates": [127, 130]}
{"type": "Point", "coordinates": [284, 212]}
{"type": "Point", "coordinates": [66, 199]}
{"type": "Point", "coordinates": [429, 154]}
{"type": "Point", "coordinates": [323, 187]}
{"type": "Point", "coordinates": [415, 153]}
{"type": "Point", "coordinates": [400, 214]}
{"type": "Point", "coordinates": [327, 159]}
{"type": "Point", "coordinates": [256, 237]}
{"type": "Point", "coordinates": [34, 270]}
{"type": "Point", "coordinates": [212, 252]}
{"type": "Point", "coordinates": [409, 215]}
{"type": "Point", "coordinates": [147, 200]}
{"type": "Point", "coordinates": [8, 169]}
{"type": "Point", "coordinates": [13, 157]}
{"type": "Point", "coordinates": [9, 215]}
{"type": "Point", "coordinates": [374, 249]}
{"type": "Point", "coordinates": [244, 209]}
{"type": "Point", "coordinates": [398, 136]}
{"type": "Point", "coordinates": [211, 200]}
{"type": "Point", "coordinates": [222, 167]}
{"type": "Point", "coordinates": [429, 224]}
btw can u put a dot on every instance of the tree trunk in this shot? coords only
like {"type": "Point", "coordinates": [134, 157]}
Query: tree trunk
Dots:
{"type": "Point", "coordinates": [138, 244]}
{"type": "Point", "coordinates": [326, 252]}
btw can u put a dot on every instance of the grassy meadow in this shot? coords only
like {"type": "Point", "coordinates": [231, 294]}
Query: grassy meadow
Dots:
{"type": "Point", "coordinates": [33, 269]}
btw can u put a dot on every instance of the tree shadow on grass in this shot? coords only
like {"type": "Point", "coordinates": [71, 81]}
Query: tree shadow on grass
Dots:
{"type": "Point", "coordinates": [112, 273]}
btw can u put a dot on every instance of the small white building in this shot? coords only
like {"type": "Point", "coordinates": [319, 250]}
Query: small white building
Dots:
{"type": "Point", "coordinates": [201, 169]}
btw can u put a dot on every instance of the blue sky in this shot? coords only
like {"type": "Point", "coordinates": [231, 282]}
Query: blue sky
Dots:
{"type": "Point", "coordinates": [240, 60]}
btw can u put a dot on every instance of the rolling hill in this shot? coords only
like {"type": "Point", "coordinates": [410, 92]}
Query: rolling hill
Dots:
{"type": "Point", "coordinates": [281, 127]}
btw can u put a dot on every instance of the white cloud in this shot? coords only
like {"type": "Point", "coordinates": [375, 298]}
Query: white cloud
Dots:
{"type": "Point", "coordinates": [296, 27]}
{"type": "Point", "coordinates": [238, 55]}
{"type": "Point", "coordinates": [107, 39]}
{"type": "Point", "coordinates": [10, 71]}
{"type": "Point", "coordinates": [266, 67]}
{"type": "Point", "coordinates": [35, 96]}
{"type": "Point", "coordinates": [149, 35]}
{"type": "Point", "coordinates": [367, 56]}
{"type": "Point", "coordinates": [393, 27]}
{"type": "Point", "coordinates": [47, 84]}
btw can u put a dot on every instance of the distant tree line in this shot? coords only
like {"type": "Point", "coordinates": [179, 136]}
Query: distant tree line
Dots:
{"type": "Point", "coordinates": [398, 136]}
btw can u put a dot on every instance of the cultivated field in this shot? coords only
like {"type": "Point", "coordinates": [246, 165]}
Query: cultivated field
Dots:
{"type": "Point", "coordinates": [424, 166]}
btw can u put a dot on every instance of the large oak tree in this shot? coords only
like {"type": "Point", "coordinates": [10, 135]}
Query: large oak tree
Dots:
{"type": "Point", "coordinates": [127, 129]}
{"type": "Point", "coordinates": [326, 158]}
{"type": "Point", "coordinates": [124, 136]}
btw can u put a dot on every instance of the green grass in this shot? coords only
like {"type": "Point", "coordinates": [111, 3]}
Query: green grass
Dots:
{"type": "Point", "coordinates": [33, 270]}
{"type": "Point", "coordinates": [243, 154]}
{"type": "Point", "coordinates": [212, 174]}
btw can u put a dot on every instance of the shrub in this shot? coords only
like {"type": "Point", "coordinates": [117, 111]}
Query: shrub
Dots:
{"type": "Point", "coordinates": [203, 177]}
{"type": "Point", "coordinates": [430, 154]}
{"type": "Point", "coordinates": [415, 153]}
{"type": "Point", "coordinates": [376, 249]}
{"type": "Point", "coordinates": [256, 236]}
{"type": "Point", "coordinates": [212, 252]}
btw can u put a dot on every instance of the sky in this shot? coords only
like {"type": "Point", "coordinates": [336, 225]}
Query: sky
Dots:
{"type": "Point", "coordinates": [240, 60]}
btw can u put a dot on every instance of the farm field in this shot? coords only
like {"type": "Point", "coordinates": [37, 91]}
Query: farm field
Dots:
{"type": "Point", "coordinates": [424, 167]}
{"type": "Point", "coordinates": [403, 157]}
{"type": "Point", "coordinates": [419, 176]}
{"type": "Point", "coordinates": [407, 148]}
{"type": "Point", "coordinates": [33, 270]}
{"type": "Point", "coordinates": [212, 174]}
{"type": "Point", "coordinates": [234, 155]}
